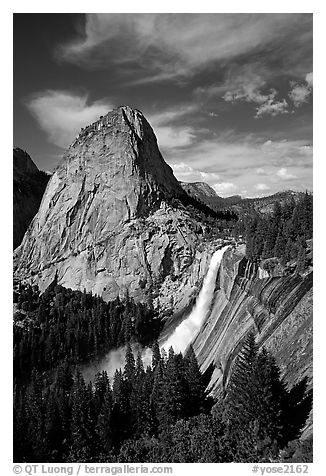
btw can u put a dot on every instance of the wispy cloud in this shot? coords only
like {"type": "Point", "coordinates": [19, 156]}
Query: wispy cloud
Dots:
{"type": "Point", "coordinates": [169, 133]}
{"type": "Point", "coordinates": [172, 45]}
{"type": "Point", "coordinates": [61, 114]}
{"type": "Point", "coordinates": [172, 137]}
{"type": "Point", "coordinates": [171, 115]}
{"type": "Point", "coordinates": [244, 163]}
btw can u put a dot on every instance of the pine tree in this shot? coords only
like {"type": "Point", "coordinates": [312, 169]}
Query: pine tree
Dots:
{"type": "Point", "coordinates": [196, 389]}
{"type": "Point", "coordinates": [279, 248]}
{"type": "Point", "coordinates": [288, 251]}
{"type": "Point", "coordinates": [104, 424]}
{"type": "Point", "coordinates": [140, 402]}
{"type": "Point", "coordinates": [64, 380]}
{"type": "Point", "coordinates": [173, 400]}
{"type": "Point", "coordinates": [139, 371]}
{"type": "Point", "coordinates": [101, 388]}
{"type": "Point", "coordinates": [121, 391]}
{"type": "Point", "coordinates": [22, 450]}
{"type": "Point", "coordinates": [254, 405]}
{"type": "Point", "coordinates": [195, 440]}
{"type": "Point", "coordinates": [301, 257]}
{"type": "Point", "coordinates": [237, 397]}
{"type": "Point", "coordinates": [277, 212]}
{"type": "Point", "coordinates": [81, 424]}
{"type": "Point", "coordinates": [156, 397]}
{"type": "Point", "coordinates": [54, 434]}
{"type": "Point", "coordinates": [129, 368]}
{"type": "Point", "coordinates": [35, 418]}
{"type": "Point", "coordinates": [156, 355]}
{"type": "Point", "coordinates": [268, 395]}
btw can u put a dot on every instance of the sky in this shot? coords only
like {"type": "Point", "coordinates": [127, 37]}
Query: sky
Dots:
{"type": "Point", "coordinates": [229, 96]}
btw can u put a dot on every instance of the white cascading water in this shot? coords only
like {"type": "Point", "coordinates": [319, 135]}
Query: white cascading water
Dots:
{"type": "Point", "coordinates": [183, 335]}
{"type": "Point", "coordinates": [186, 332]}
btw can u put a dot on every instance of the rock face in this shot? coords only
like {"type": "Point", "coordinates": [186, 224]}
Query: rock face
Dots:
{"type": "Point", "coordinates": [28, 187]}
{"type": "Point", "coordinates": [205, 194]}
{"type": "Point", "coordinates": [202, 192]}
{"type": "Point", "coordinates": [110, 220]}
{"type": "Point", "coordinates": [278, 310]}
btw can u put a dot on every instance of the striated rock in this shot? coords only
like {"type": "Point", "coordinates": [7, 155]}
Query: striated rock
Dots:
{"type": "Point", "coordinates": [278, 310]}
{"type": "Point", "coordinates": [28, 188]}
{"type": "Point", "coordinates": [110, 221]}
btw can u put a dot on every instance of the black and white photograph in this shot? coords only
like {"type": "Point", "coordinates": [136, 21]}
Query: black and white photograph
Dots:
{"type": "Point", "coordinates": [162, 240]}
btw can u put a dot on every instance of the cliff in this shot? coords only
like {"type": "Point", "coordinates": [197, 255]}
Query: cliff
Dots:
{"type": "Point", "coordinates": [28, 187]}
{"type": "Point", "coordinates": [111, 221]}
{"type": "Point", "coordinates": [278, 310]}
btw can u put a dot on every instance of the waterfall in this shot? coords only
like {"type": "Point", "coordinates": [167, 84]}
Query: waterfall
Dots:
{"type": "Point", "coordinates": [186, 332]}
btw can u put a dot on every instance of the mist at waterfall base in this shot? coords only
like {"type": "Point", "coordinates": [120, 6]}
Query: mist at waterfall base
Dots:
{"type": "Point", "coordinates": [180, 339]}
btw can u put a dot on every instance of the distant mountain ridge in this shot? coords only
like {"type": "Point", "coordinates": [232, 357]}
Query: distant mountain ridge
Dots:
{"type": "Point", "coordinates": [265, 204]}
{"type": "Point", "coordinates": [205, 194]}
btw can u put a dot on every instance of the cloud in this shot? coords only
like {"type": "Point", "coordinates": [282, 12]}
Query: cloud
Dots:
{"type": "Point", "coordinates": [209, 176]}
{"type": "Point", "coordinates": [61, 114]}
{"type": "Point", "coordinates": [246, 83]}
{"type": "Point", "coordinates": [235, 155]}
{"type": "Point", "coordinates": [247, 86]}
{"type": "Point", "coordinates": [309, 79]}
{"type": "Point", "coordinates": [301, 92]}
{"type": "Point", "coordinates": [185, 173]}
{"type": "Point", "coordinates": [172, 137]}
{"type": "Point", "coordinates": [165, 124]}
{"type": "Point", "coordinates": [170, 115]}
{"type": "Point", "coordinates": [240, 160]}
{"type": "Point", "coordinates": [260, 171]}
{"type": "Point", "coordinates": [183, 170]}
{"type": "Point", "coordinates": [224, 188]}
{"type": "Point", "coordinates": [267, 103]}
{"type": "Point", "coordinates": [262, 186]}
{"type": "Point", "coordinates": [284, 174]}
{"type": "Point", "coordinates": [272, 108]}
{"type": "Point", "coordinates": [166, 45]}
